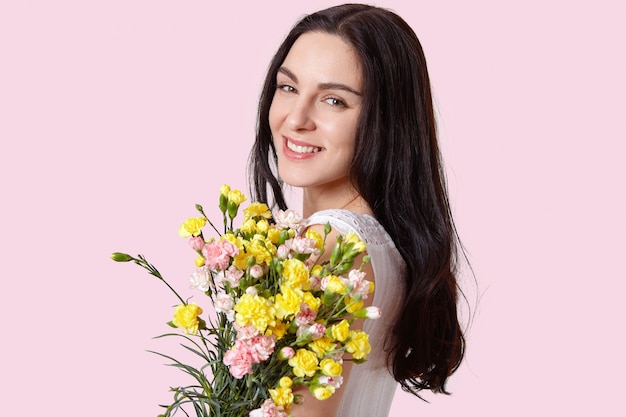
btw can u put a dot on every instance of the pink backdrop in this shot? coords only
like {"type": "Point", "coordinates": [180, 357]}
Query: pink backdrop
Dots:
{"type": "Point", "coordinates": [116, 117]}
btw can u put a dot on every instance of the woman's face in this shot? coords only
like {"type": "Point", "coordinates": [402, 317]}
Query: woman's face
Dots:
{"type": "Point", "coordinates": [314, 113]}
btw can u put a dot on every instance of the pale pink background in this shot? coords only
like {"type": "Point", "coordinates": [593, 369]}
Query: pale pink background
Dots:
{"type": "Point", "coordinates": [116, 117]}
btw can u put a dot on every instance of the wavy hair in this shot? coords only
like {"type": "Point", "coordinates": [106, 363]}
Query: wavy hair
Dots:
{"type": "Point", "coordinates": [397, 169]}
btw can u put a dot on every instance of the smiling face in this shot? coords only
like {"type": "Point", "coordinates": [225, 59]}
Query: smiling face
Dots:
{"type": "Point", "coordinates": [314, 113]}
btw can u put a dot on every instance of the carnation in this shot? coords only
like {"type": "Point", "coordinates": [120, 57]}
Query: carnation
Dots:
{"type": "Point", "coordinates": [289, 219]}
{"type": "Point", "coordinates": [201, 279]}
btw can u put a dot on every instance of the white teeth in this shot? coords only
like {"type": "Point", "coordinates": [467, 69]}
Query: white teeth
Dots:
{"type": "Point", "coordinates": [302, 149]}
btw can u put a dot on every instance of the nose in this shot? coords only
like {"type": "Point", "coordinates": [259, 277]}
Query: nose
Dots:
{"type": "Point", "coordinates": [301, 115]}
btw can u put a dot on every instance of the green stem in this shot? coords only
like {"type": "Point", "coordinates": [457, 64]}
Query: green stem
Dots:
{"type": "Point", "coordinates": [142, 262]}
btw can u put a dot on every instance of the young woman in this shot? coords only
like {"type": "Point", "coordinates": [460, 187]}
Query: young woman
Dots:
{"type": "Point", "coordinates": [346, 113]}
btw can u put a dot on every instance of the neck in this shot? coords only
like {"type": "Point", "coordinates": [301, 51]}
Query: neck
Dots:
{"type": "Point", "coordinates": [324, 198]}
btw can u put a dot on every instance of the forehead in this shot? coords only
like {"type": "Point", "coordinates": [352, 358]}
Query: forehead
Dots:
{"type": "Point", "coordinates": [323, 57]}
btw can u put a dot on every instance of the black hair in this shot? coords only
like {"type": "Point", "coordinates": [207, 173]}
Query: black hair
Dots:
{"type": "Point", "coordinates": [397, 169]}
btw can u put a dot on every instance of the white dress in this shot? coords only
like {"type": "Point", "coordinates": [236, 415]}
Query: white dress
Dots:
{"type": "Point", "coordinates": [370, 388]}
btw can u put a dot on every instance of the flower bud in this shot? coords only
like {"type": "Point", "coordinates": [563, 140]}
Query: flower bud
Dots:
{"type": "Point", "coordinates": [121, 257]}
{"type": "Point", "coordinates": [286, 353]}
{"type": "Point", "coordinates": [256, 271]}
{"type": "Point", "coordinates": [322, 392]}
{"type": "Point", "coordinates": [370, 312]}
{"type": "Point", "coordinates": [223, 203]}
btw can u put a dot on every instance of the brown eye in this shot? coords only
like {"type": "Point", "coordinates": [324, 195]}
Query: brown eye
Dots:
{"type": "Point", "coordinates": [335, 102]}
{"type": "Point", "coordinates": [286, 88]}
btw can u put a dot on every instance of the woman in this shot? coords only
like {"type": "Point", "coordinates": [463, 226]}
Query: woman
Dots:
{"type": "Point", "coordinates": [346, 113]}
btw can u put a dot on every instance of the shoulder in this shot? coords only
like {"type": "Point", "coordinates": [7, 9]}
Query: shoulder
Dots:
{"type": "Point", "coordinates": [344, 221]}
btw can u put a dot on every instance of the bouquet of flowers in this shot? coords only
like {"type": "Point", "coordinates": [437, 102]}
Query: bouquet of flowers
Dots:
{"type": "Point", "coordinates": [283, 312]}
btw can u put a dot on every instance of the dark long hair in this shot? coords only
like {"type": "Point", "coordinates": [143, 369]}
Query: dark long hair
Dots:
{"type": "Point", "coordinates": [397, 169]}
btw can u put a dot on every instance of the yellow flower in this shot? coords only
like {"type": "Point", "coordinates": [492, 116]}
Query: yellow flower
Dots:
{"type": "Point", "coordinates": [262, 226]}
{"type": "Point", "coordinates": [186, 317]}
{"type": "Point", "coordinates": [248, 227]}
{"type": "Point", "coordinates": [351, 237]}
{"type": "Point", "coordinates": [335, 285]}
{"type": "Point", "coordinates": [322, 346]}
{"type": "Point", "coordinates": [353, 305]}
{"type": "Point", "coordinates": [253, 310]}
{"type": "Point", "coordinates": [316, 271]}
{"type": "Point", "coordinates": [278, 329]}
{"type": "Point", "coordinates": [258, 249]}
{"type": "Point", "coordinates": [200, 261]}
{"type": "Point", "coordinates": [282, 396]}
{"type": "Point", "coordinates": [257, 210]}
{"type": "Point", "coordinates": [191, 227]}
{"type": "Point", "coordinates": [358, 344]}
{"type": "Point", "coordinates": [304, 363]}
{"type": "Point", "coordinates": [322, 392]}
{"type": "Point", "coordinates": [285, 382]}
{"type": "Point", "coordinates": [330, 367]}
{"type": "Point", "coordinates": [313, 235]}
{"type": "Point", "coordinates": [313, 302]}
{"type": "Point", "coordinates": [224, 190]}
{"type": "Point", "coordinates": [295, 274]}
{"type": "Point", "coordinates": [236, 197]}
{"type": "Point", "coordinates": [340, 330]}
{"type": "Point", "coordinates": [288, 302]}
{"type": "Point", "coordinates": [241, 261]}
{"type": "Point", "coordinates": [273, 234]}
{"type": "Point", "coordinates": [235, 240]}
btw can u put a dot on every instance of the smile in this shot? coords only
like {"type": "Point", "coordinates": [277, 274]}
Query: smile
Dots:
{"type": "Point", "coordinates": [302, 149]}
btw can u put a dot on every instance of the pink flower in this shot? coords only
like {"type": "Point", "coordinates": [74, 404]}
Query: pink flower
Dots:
{"type": "Point", "coordinates": [232, 275]}
{"type": "Point", "coordinates": [230, 249]}
{"type": "Point", "coordinates": [315, 282]}
{"type": "Point", "coordinates": [317, 330]}
{"type": "Point", "coordinates": [305, 316]}
{"type": "Point", "coordinates": [312, 332]}
{"type": "Point", "coordinates": [261, 347]}
{"type": "Point", "coordinates": [269, 409]}
{"type": "Point", "coordinates": [239, 360]}
{"type": "Point", "coordinates": [196, 242]}
{"type": "Point", "coordinates": [216, 257]}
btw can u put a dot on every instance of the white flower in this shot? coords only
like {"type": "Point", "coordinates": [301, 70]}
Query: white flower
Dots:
{"type": "Point", "coordinates": [224, 304]}
{"type": "Point", "coordinates": [283, 252]}
{"type": "Point", "coordinates": [201, 279]}
{"type": "Point", "coordinates": [232, 275]}
{"type": "Point", "coordinates": [256, 271]}
{"type": "Point", "coordinates": [335, 381]}
{"type": "Point", "coordinates": [360, 286]}
{"type": "Point", "coordinates": [302, 245]}
{"type": "Point", "coordinates": [289, 219]}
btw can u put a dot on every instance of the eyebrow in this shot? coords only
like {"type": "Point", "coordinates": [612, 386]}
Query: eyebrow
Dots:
{"type": "Point", "coordinates": [321, 86]}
